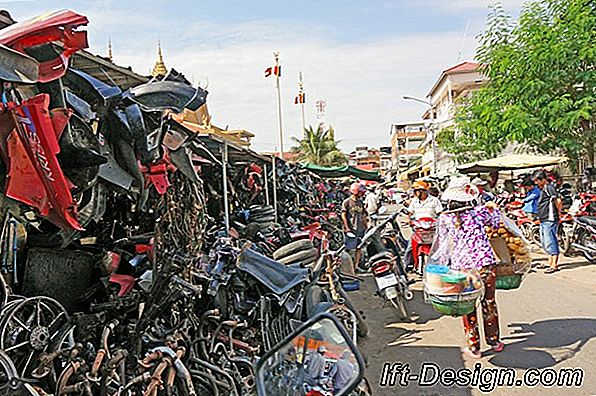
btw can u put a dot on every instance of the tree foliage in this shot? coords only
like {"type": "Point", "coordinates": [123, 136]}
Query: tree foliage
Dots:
{"type": "Point", "coordinates": [542, 83]}
{"type": "Point", "coordinates": [319, 147]}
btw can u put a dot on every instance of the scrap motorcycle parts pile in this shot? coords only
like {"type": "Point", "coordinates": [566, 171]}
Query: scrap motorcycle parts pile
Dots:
{"type": "Point", "coordinates": [114, 285]}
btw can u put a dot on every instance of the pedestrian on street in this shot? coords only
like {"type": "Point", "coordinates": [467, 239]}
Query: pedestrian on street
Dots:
{"type": "Point", "coordinates": [549, 213]}
{"type": "Point", "coordinates": [354, 221]}
{"type": "Point", "coordinates": [530, 207]}
{"type": "Point", "coordinates": [485, 196]}
{"type": "Point", "coordinates": [371, 202]}
{"type": "Point", "coordinates": [462, 228]}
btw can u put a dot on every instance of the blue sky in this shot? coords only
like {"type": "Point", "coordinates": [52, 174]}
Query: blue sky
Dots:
{"type": "Point", "coordinates": [360, 56]}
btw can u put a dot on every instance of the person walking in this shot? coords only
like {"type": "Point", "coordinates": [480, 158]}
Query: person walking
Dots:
{"type": "Point", "coordinates": [485, 196]}
{"type": "Point", "coordinates": [354, 221]}
{"type": "Point", "coordinates": [548, 212]}
{"type": "Point", "coordinates": [463, 244]}
{"type": "Point", "coordinates": [530, 207]}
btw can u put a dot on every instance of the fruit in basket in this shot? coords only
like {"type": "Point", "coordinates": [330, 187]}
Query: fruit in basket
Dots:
{"type": "Point", "coordinates": [516, 245]}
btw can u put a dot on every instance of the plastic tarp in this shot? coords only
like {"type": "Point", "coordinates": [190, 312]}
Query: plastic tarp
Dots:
{"type": "Point", "coordinates": [511, 162]}
{"type": "Point", "coordinates": [343, 171]}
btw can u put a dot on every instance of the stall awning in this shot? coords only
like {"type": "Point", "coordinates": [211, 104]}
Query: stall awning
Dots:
{"type": "Point", "coordinates": [343, 171]}
{"type": "Point", "coordinates": [511, 162]}
{"type": "Point", "coordinates": [236, 153]}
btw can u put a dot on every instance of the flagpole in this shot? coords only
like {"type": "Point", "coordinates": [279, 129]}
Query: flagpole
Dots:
{"type": "Point", "coordinates": [301, 86]}
{"type": "Point", "coordinates": [279, 125]}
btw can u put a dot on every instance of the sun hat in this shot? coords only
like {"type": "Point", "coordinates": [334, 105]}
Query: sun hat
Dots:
{"type": "Point", "coordinates": [420, 185]}
{"type": "Point", "coordinates": [479, 182]}
{"type": "Point", "coordinates": [461, 190]}
{"type": "Point", "coordinates": [356, 187]}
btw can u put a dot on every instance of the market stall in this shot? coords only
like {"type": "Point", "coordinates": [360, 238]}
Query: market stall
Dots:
{"type": "Point", "coordinates": [511, 162]}
{"type": "Point", "coordinates": [343, 171]}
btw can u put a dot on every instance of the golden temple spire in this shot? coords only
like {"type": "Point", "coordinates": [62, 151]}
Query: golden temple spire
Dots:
{"type": "Point", "coordinates": [160, 68]}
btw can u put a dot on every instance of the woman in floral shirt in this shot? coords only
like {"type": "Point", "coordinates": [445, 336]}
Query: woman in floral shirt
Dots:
{"type": "Point", "coordinates": [463, 244]}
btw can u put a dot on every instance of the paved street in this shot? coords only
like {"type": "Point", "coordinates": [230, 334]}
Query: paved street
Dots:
{"type": "Point", "coordinates": [549, 322]}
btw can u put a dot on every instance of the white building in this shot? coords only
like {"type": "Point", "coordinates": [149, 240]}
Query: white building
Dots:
{"type": "Point", "coordinates": [453, 85]}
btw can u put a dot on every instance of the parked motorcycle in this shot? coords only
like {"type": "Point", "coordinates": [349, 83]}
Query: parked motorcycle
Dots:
{"type": "Point", "coordinates": [387, 268]}
{"type": "Point", "coordinates": [583, 236]}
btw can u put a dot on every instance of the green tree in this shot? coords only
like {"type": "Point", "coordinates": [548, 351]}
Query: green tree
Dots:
{"type": "Point", "coordinates": [319, 147]}
{"type": "Point", "coordinates": [542, 84]}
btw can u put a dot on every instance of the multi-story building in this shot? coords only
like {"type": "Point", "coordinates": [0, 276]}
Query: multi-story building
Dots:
{"type": "Point", "coordinates": [406, 139]}
{"type": "Point", "coordinates": [365, 157]}
{"type": "Point", "coordinates": [386, 159]}
{"type": "Point", "coordinates": [453, 85]}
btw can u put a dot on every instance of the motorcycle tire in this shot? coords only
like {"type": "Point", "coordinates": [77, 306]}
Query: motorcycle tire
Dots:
{"type": "Point", "coordinates": [292, 248]}
{"type": "Point", "coordinates": [564, 238]}
{"type": "Point", "coordinates": [262, 211]}
{"type": "Point", "coordinates": [302, 256]}
{"type": "Point", "coordinates": [584, 239]}
{"type": "Point", "coordinates": [314, 296]}
{"type": "Point", "coordinates": [362, 326]}
{"type": "Point", "coordinates": [399, 306]}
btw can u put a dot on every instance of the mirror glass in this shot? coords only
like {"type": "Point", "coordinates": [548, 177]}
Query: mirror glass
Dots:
{"type": "Point", "coordinates": [317, 359]}
{"type": "Point", "coordinates": [174, 139]}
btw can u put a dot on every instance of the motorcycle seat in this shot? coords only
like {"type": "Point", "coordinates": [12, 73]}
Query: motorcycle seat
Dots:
{"type": "Point", "coordinates": [587, 220]}
{"type": "Point", "coordinates": [382, 255]}
{"type": "Point", "coordinates": [275, 276]}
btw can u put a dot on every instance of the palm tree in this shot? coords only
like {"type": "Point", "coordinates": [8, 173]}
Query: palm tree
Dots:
{"type": "Point", "coordinates": [319, 147]}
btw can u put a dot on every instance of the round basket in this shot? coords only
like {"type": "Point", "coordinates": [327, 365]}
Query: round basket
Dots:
{"type": "Point", "coordinates": [455, 304]}
{"type": "Point", "coordinates": [453, 308]}
{"type": "Point", "coordinates": [508, 282]}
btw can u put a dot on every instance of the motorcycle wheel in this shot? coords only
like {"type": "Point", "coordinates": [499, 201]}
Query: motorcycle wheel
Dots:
{"type": "Point", "coordinates": [564, 237]}
{"type": "Point", "coordinates": [399, 306]}
{"type": "Point", "coordinates": [585, 239]}
{"type": "Point", "coordinates": [362, 326]}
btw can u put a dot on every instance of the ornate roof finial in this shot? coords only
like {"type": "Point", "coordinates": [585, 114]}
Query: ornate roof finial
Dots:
{"type": "Point", "coordinates": [160, 68]}
{"type": "Point", "coordinates": [110, 49]}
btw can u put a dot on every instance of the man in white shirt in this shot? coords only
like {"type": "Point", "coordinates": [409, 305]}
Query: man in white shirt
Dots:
{"type": "Point", "coordinates": [423, 204]}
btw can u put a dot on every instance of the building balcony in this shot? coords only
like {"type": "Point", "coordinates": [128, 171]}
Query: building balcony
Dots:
{"type": "Point", "coordinates": [410, 135]}
{"type": "Point", "coordinates": [410, 152]}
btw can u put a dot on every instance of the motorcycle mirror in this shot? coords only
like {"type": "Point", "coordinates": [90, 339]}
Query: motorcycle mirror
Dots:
{"type": "Point", "coordinates": [382, 210]}
{"type": "Point", "coordinates": [174, 139]}
{"type": "Point", "coordinates": [284, 370]}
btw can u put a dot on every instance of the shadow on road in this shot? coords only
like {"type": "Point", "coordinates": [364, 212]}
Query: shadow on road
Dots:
{"type": "Point", "coordinates": [390, 341]}
{"type": "Point", "coordinates": [544, 343]}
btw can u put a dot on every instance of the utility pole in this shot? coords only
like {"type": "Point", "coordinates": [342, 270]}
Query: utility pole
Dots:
{"type": "Point", "coordinates": [279, 125]}
{"type": "Point", "coordinates": [302, 100]}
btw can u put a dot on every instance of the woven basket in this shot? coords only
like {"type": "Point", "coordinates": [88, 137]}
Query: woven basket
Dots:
{"type": "Point", "coordinates": [508, 282]}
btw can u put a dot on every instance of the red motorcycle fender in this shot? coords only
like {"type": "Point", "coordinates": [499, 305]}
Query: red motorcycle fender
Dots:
{"type": "Point", "coordinates": [57, 26]}
{"type": "Point", "coordinates": [35, 176]}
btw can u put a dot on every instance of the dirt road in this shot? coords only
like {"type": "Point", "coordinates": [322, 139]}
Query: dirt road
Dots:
{"type": "Point", "coordinates": [549, 322]}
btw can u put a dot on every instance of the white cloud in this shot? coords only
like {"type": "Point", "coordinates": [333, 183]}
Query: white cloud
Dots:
{"type": "Point", "coordinates": [362, 83]}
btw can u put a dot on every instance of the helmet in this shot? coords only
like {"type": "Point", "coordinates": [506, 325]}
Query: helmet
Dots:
{"type": "Point", "coordinates": [420, 185]}
{"type": "Point", "coordinates": [355, 188]}
{"type": "Point", "coordinates": [322, 349]}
